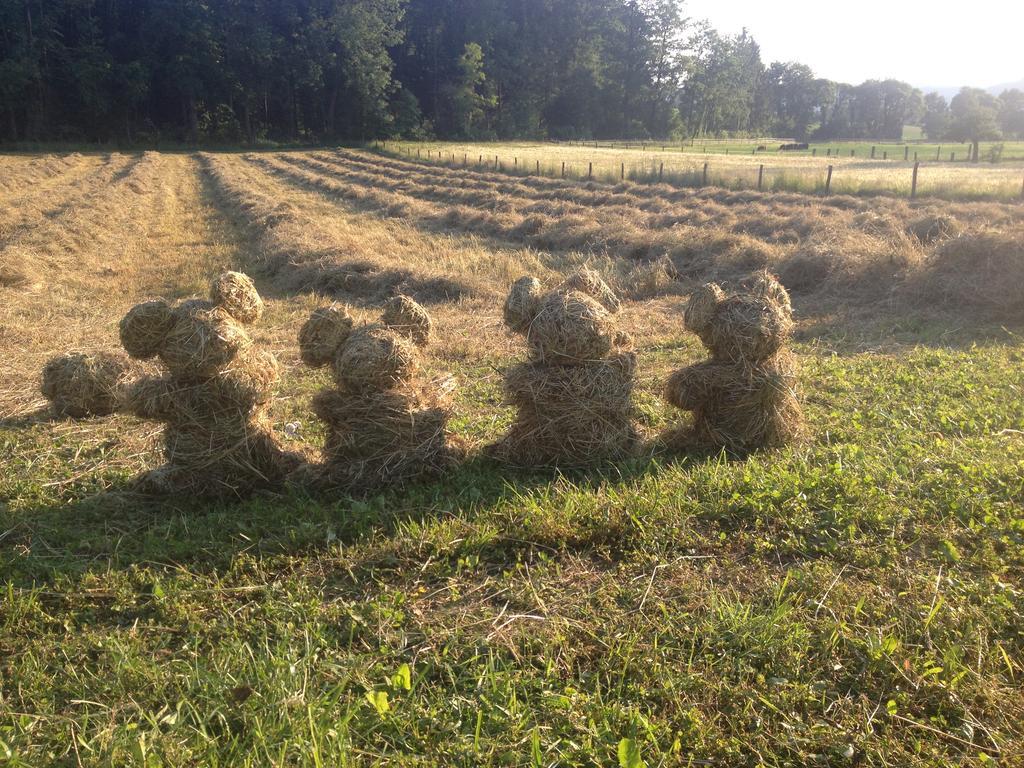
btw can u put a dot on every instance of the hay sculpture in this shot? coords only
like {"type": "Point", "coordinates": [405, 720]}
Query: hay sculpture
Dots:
{"type": "Point", "coordinates": [574, 397]}
{"type": "Point", "coordinates": [744, 398]}
{"type": "Point", "coordinates": [215, 395]}
{"type": "Point", "coordinates": [79, 384]}
{"type": "Point", "coordinates": [384, 426]}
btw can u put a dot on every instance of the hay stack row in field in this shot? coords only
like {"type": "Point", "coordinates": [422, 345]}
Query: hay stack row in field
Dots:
{"type": "Point", "coordinates": [842, 249]}
{"type": "Point", "coordinates": [329, 259]}
{"type": "Point", "coordinates": [384, 425]}
{"type": "Point", "coordinates": [573, 398]}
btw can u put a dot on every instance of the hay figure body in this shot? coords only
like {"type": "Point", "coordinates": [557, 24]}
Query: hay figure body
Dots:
{"type": "Point", "coordinates": [574, 398]}
{"type": "Point", "coordinates": [215, 395]}
{"type": "Point", "coordinates": [384, 426]}
{"type": "Point", "coordinates": [745, 397]}
{"type": "Point", "coordinates": [79, 384]}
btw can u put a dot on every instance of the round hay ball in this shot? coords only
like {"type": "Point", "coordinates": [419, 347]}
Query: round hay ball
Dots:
{"type": "Point", "coordinates": [748, 329]}
{"type": "Point", "coordinates": [323, 334]}
{"type": "Point", "coordinates": [571, 328]}
{"type": "Point", "coordinates": [375, 359]}
{"type": "Point", "coordinates": [765, 285]}
{"type": "Point", "coordinates": [152, 397]}
{"type": "Point", "coordinates": [586, 280]}
{"type": "Point", "coordinates": [203, 340]}
{"type": "Point", "coordinates": [236, 293]}
{"type": "Point", "coordinates": [408, 318]}
{"type": "Point", "coordinates": [700, 309]}
{"type": "Point", "coordinates": [932, 228]}
{"type": "Point", "coordinates": [145, 327]}
{"type": "Point", "coordinates": [248, 382]}
{"type": "Point", "coordinates": [522, 304]}
{"type": "Point", "coordinates": [80, 384]}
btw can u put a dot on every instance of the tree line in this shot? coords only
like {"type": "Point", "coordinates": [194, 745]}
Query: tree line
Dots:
{"type": "Point", "coordinates": [250, 71]}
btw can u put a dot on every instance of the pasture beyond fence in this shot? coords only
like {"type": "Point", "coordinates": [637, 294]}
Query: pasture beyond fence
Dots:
{"type": "Point", "coordinates": [907, 176]}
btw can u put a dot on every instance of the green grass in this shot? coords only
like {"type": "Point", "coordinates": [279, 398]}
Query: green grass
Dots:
{"type": "Point", "coordinates": [852, 601]}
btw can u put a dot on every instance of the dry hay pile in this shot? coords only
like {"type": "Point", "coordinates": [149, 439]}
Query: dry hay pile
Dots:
{"type": "Point", "coordinates": [215, 395]}
{"type": "Point", "coordinates": [79, 384]}
{"type": "Point", "coordinates": [384, 426]}
{"type": "Point", "coordinates": [983, 271]}
{"type": "Point", "coordinates": [934, 227]}
{"type": "Point", "coordinates": [743, 398]}
{"type": "Point", "coordinates": [573, 398]}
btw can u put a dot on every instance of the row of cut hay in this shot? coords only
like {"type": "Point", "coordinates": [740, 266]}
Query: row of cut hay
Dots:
{"type": "Point", "coordinates": [35, 245]}
{"type": "Point", "coordinates": [31, 192]}
{"type": "Point", "coordinates": [28, 174]}
{"type": "Point", "coordinates": [302, 255]}
{"type": "Point", "coordinates": [832, 258]}
{"type": "Point", "coordinates": [55, 269]}
{"type": "Point", "coordinates": [856, 255]}
{"type": "Point", "coordinates": [664, 197]}
{"type": "Point", "coordinates": [778, 217]}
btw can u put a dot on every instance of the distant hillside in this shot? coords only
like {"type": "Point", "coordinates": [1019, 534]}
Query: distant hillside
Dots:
{"type": "Point", "coordinates": [997, 89]}
{"type": "Point", "coordinates": [949, 91]}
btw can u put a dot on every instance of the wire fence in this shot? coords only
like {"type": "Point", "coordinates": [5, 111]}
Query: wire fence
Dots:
{"type": "Point", "coordinates": [911, 177]}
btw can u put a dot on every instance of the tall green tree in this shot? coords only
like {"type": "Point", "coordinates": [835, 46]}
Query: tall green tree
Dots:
{"type": "Point", "coordinates": [974, 117]}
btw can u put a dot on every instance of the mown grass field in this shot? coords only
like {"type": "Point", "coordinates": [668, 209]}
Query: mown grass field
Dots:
{"type": "Point", "coordinates": [852, 600]}
{"type": "Point", "coordinates": [737, 165]}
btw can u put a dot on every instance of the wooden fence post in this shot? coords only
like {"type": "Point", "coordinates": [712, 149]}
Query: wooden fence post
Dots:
{"type": "Point", "coordinates": [417, 153]}
{"type": "Point", "coordinates": [515, 163]}
{"type": "Point", "coordinates": [760, 177]}
{"type": "Point", "coordinates": [563, 169]}
{"type": "Point", "coordinates": [913, 182]}
{"type": "Point", "coordinates": [853, 152]}
{"type": "Point", "coordinates": [538, 167]}
{"type": "Point", "coordinates": [705, 177]}
{"type": "Point", "coordinates": [872, 153]}
{"type": "Point", "coordinates": [938, 149]}
{"type": "Point", "coordinates": [590, 171]}
{"type": "Point", "coordinates": [952, 157]}
{"type": "Point", "coordinates": [495, 162]}
{"type": "Point", "coordinates": [814, 152]}
{"type": "Point", "coordinates": [828, 182]}
{"type": "Point", "coordinates": [661, 172]}
{"type": "Point", "coordinates": [906, 153]}
{"type": "Point", "coordinates": [622, 172]}
{"type": "Point", "coordinates": [885, 155]}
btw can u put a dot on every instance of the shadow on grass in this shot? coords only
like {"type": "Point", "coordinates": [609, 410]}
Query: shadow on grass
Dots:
{"type": "Point", "coordinates": [117, 528]}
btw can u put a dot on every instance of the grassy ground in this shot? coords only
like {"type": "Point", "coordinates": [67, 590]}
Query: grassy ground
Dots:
{"type": "Point", "coordinates": [854, 600]}
{"type": "Point", "coordinates": [738, 166]}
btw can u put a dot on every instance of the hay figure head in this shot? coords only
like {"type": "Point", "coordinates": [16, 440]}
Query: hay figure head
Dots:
{"type": "Point", "coordinates": [744, 327]}
{"type": "Point", "coordinates": [196, 338]}
{"type": "Point", "coordinates": [566, 326]}
{"type": "Point", "coordinates": [373, 358]}
{"type": "Point", "coordinates": [744, 397]}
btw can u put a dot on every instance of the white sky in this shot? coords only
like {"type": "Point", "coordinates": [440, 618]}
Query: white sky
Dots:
{"type": "Point", "coordinates": [939, 43]}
